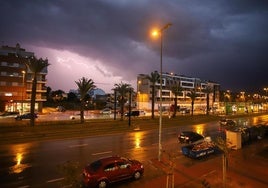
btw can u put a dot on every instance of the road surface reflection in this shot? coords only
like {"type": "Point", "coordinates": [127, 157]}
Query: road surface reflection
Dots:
{"type": "Point", "coordinates": [199, 128]}
{"type": "Point", "coordinates": [20, 151]}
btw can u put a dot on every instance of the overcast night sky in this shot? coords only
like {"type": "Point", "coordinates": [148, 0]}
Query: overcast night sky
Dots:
{"type": "Point", "coordinates": [109, 40]}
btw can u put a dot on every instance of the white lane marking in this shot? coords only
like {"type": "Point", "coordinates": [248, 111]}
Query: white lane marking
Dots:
{"type": "Point", "coordinates": [78, 145]}
{"type": "Point", "coordinates": [101, 153]}
{"type": "Point", "coordinates": [54, 180]}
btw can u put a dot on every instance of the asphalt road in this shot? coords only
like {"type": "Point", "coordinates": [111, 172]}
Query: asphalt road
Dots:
{"type": "Point", "coordinates": [36, 164]}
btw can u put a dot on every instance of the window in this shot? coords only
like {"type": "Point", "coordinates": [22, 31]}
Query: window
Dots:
{"type": "Point", "coordinates": [15, 74]}
{"type": "Point", "coordinates": [15, 83]}
{"type": "Point", "coordinates": [8, 83]}
{"type": "Point", "coordinates": [95, 165]}
{"type": "Point", "coordinates": [2, 83]}
{"type": "Point", "coordinates": [123, 165]}
{"type": "Point", "coordinates": [10, 64]}
{"type": "Point", "coordinates": [187, 84]}
{"type": "Point", "coordinates": [3, 73]}
{"type": "Point", "coordinates": [3, 63]}
{"type": "Point", "coordinates": [110, 167]}
{"type": "Point", "coordinates": [16, 65]}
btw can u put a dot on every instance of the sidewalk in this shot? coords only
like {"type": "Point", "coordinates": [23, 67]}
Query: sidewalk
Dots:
{"type": "Point", "coordinates": [247, 168]}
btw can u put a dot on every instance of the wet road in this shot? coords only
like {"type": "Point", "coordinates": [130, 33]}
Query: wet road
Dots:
{"type": "Point", "coordinates": [36, 164]}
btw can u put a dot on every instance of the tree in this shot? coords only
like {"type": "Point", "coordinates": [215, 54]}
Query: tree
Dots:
{"type": "Point", "coordinates": [84, 86]}
{"type": "Point", "coordinates": [207, 90]}
{"type": "Point", "coordinates": [58, 95]}
{"type": "Point", "coordinates": [223, 145]}
{"type": "Point", "coordinates": [193, 96]}
{"type": "Point", "coordinates": [122, 89]}
{"type": "Point", "coordinates": [153, 78]}
{"type": "Point", "coordinates": [176, 90]}
{"type": "Point", "coordinates": [71, 97]}
{"type": "Point", "coordinates": [35, 66]}
{"type": "Point", "coordinates": [48, 94]}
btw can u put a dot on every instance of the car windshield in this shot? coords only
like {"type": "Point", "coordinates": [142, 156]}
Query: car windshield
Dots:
{"type": "Point", "coordinates": [95, 166]}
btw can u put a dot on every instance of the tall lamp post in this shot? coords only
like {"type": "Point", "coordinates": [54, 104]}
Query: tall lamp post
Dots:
{"type": "Point", "coordinates": [23, 77]}
{"type": "Point", "coordinates": [155, 33]}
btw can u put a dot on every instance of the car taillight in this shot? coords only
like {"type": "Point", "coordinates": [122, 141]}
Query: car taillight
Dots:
{"type": "Point", "coordinates": [86, 174]}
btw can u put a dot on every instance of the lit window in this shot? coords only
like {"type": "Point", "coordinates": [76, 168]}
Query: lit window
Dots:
{"type": "Point", "coordinates": [8, 94]}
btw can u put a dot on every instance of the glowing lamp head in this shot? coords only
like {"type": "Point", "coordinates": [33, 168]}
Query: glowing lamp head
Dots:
{"type": "Point", "coordinates": [155, 33]}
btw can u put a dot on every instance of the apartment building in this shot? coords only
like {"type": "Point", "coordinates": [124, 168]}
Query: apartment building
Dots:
{"type": "Point", "coordinates": [169, 80]}
{"type": "Point", "coordinates": [16, 81]}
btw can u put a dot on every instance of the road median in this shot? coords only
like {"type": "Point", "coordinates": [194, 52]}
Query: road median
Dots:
{"type": "Point", "coordinates": [21, 131]}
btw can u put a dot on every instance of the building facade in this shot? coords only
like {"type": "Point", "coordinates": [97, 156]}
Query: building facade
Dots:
{"type": "Point", "coordinates": [16, 81]}
{"type": "Point", "coordinates": [187, 84]}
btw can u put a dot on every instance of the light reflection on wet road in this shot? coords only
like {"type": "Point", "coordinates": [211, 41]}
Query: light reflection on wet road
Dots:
{"type": "Point", "coordinates": [36, 164]}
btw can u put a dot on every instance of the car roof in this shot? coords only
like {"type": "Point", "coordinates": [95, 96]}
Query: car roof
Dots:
{"type": "Point", "coordinates": [110, 159]}
{"type": "Point", "coordinates": [190, 133]}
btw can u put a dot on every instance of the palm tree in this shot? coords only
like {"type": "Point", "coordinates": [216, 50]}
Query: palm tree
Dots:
{"type": "Point", "coordinates": [193, 96]}
{"type": "Point", "coordinates": [122, 89]}
{"type": "Point", "coordinates": [176, 90]}
{"type": "Point", "coordinates": [84, 85]}
{"type": "Point", "coordinates": [207, 90]}
{"type": "Point", "coordinates": [35, 66]}
{"type": "Point", "coordinates": [153, 78]}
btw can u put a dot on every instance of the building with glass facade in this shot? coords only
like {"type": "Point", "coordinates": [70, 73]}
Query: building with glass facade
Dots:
{"type": "Point", "coordinates": [202, 88]}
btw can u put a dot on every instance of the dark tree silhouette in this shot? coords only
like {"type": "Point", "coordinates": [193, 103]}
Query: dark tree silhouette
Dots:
{"type": "Point", "coordinates": [35, 66]}
{"type": "Point", "coordinates": [153, 78]}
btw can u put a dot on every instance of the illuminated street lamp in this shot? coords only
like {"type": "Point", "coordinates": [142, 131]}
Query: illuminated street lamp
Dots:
{"type": "Point", "coordinates": [157, 33]}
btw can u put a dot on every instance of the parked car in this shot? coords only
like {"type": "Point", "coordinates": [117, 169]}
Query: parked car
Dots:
{"type": "Point", "coordinates": [142, 113]}
{"type": "Point", "coordinates": [112, 169]}
{"type": "Point", "coordinates": [9, 114]}
{"type": "Point", "coordinates": [25, 116]}
{"type": "Point", "coordinates": [76, 116]}
{"type": "Point", "coordinates": [189, 137]}
{"type": "Point", "coordinates": [184, 110]}
{"type": "Point", "coordinates": [60, 109]}
{"type": "Point", "coordinates": [227, 122]}
{"type": "Point", "coordinates": [135, 113]}
{"type": "Point", "coordinates": [106, 111]}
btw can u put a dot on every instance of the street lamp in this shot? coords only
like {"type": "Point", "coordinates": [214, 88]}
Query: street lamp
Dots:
{"type": "Point", "coordinates": [23, 77]}
{"type": "Point", "coordinates": [156, 33]}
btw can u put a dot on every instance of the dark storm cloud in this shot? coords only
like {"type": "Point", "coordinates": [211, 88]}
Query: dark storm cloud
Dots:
{"type": "Point", "coordinates": [223, 41]}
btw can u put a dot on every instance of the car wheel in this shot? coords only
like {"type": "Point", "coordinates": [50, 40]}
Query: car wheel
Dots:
{"type": "Point", "coordinates": [137, 175]}
{"type": "Point", "coordinates": [102, 184]}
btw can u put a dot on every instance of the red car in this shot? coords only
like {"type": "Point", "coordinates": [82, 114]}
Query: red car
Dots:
{"type": "Point", "coordinates": [111, 169]}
